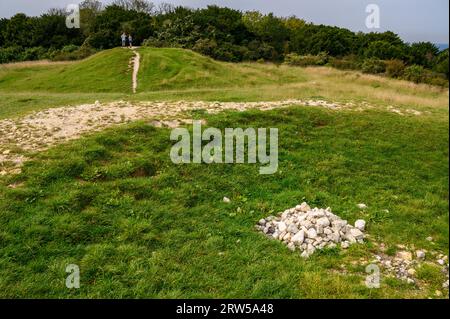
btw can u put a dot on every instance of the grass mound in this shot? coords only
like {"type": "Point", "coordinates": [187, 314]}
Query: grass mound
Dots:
{"type": "Point", "coordinates": [172, 68]}
{"type": "Point", "coordinates": [106, 71]}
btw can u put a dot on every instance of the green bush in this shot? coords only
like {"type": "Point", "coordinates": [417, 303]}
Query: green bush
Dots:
{"type": "Point", "coordinates": [345, 63]}
{"type": "Point", "coordinates": [155, 43]}
{"type": "Point", "coordinates": [306, 60]}
{"type": "Point", "coordinates": [69, 54]}
{"type": "Point", "coordinates": [438, 79]}
{"type": "Point", "coordinates": [205, 46]}
{"type": "Point", "coordinates": [415, 73]}
{"type": "Point", "coordinates": [373, 66]}
{"type": "Point", "coordinates": [395, 68]}
{"type": "Point", "coordinates": [9, 54]}
{"type": "Point", "coordinates": [32, 54]}
{"type": "Point", "coordinates": [70, 48]}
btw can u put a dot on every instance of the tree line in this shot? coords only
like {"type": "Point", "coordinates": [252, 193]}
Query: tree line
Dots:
{"type": "Point", "coordinates": [221, 33]}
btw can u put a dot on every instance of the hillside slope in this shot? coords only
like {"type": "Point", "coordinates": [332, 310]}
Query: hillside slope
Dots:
{"type": "Point", "coordinates": [161, 68]}
{"type": "Point", "coordinates": [106, 71]}
{"type": "Point", "coordinates": [172, 68]}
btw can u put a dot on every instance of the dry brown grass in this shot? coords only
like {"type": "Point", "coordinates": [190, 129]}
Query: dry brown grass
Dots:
{"type": "Point", "coordinates": [377, 89]}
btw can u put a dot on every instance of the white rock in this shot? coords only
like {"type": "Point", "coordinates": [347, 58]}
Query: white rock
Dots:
{"type": "Point", "coordinates": [226, 200]}
{"type": "Point", "coordinates": [312, 233]}
{"type": "Point", "coordinates": [420, 254]}
{"type": "Point", "coordinates": [291, 246]}
{"type": "Point", "coordinates": [345, 245]}
{"type": "Point", "coordinates": [356, 233]}
{"type": "Point", "coordinates": [411, 271]}
{"type": "Point", "coordinates": [362, 206]}
{"type": "Point", "coordinates": [441, 262]}
{"type": "Point", "coordinates": [304, 254]}
{"type": "Point", "coordinates": [287, 237]}
{"type": "Point", "coordinates": [282, 227]}
{"type": "Point", "coordinates": [360, 224]}
{"type": "Point", "coordinates": [299, 237]}
{"type": "Point", "coordinates": [323, 221]}
{"type": "Point", "coordinates": [304, 207]}
{"type": "Point", "coordinates": [307, 224]}
{"type": "Point", "coordinates": [262, 222]}
{"type": "Point", "coordinates": [404, 255]}
{"type": "Point", "coordinates": [350, 238]}
{"type": "Point", "coordinates": [293, 229]}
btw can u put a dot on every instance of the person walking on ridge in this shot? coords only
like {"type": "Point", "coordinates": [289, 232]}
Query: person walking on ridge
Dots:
{"type": "Point", "coordinates": [124, 39]}
{"type": "Point", "coordinates": [130, 41]}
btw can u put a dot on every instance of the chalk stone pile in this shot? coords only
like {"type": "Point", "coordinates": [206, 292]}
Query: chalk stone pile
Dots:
{"type": "Point", "coordinates": [307, 230]}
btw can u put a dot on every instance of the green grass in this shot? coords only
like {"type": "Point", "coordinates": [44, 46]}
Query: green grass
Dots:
{"type": "Point", "coordinates": [175, 69]}
{"type": "Point", "coordinates": [106, 71]}
{"type": "Point", "coordinates": [140, 226]}
{"type": "Point", "coordinates": [176, 74]}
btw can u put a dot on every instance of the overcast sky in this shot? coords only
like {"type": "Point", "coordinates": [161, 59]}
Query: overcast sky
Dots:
{"type": "Point", "coordinates": [413, 20]}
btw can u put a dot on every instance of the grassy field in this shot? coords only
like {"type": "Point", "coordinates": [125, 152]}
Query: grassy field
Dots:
{"type": "Point", "coordinates": [175, 74]}
{"type": "Point", "coordinates": [139, 226]}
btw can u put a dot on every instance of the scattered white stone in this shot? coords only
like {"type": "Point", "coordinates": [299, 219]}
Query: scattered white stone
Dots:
{"type": "Point", "coordinates": [356, 233]}
{"type": "Point", "coordinates": [362, 206]}
{"type": "Point", "coordinates": [404, 255]}
{"type": "Point", "coordinates": [360, 224]}
{"type": "Point", "coordinates": [226, 200]}
{"type": "Point", "coordinates": [430, 238]}
{"type": "Point", "coordinates": [441, 262]}
{"type": "Point", "coordinates": [420, 254]}
{"type": "Point", "coordinates": [411, 271]}
{"type": "Point", "coordinates": [309, 229]}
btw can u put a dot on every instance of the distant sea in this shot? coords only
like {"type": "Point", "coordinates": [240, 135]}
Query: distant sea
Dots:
{"type": "Point", "coordinates": [442, 46]}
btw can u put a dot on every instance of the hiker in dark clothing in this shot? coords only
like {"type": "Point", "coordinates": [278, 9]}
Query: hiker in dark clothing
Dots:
{"type": "Point", "coordinates": [130, 40]}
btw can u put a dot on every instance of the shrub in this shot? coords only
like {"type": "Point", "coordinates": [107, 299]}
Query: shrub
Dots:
{"type": "Point", "coordinates": [32, 54]}
{"type": "Point", "coordinates": [205, 46]}
{"type": "Point", "coordinates": [66, 54]}
{"type": "Point", "coordinates": [155, 43]}
{"type": "Point", "coordinates": [346, 63]}
{"type": "Point", "coordinates": [70, 48]}
{"type": "Point", "coordinates": [373, 66]}
{"type": "Point", "coordinates": [306, 60]}
{"type": "Point", "coordinates": [415, 73]}
{"type": "Point", "coordinates": [395, 68]}
{"type": "Point", "coordinates": [9, 54]}
{"type": "Point", "coordinates": [437, 79]}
